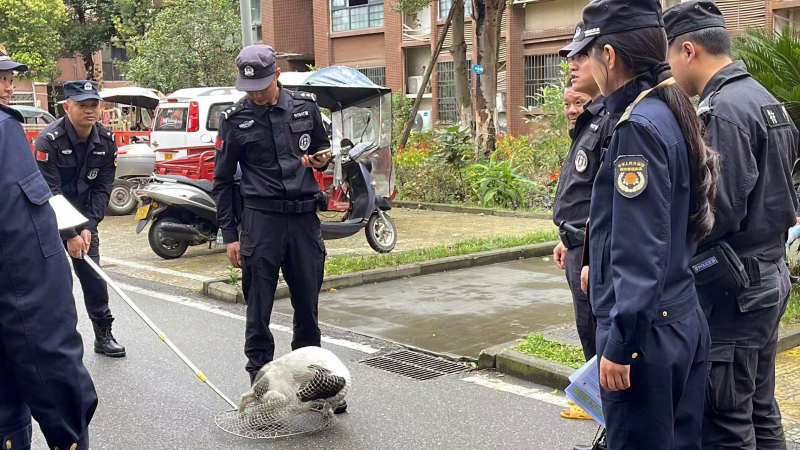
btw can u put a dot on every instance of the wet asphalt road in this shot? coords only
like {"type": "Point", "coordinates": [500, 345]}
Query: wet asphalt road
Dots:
{"type": "Point", "coordinates": [150, 400]}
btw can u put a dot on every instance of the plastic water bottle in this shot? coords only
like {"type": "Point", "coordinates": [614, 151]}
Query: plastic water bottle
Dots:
{"type": "Point", "coordinates": [794, 233]}
{"type": "Point", "coordinates": [219, 238]}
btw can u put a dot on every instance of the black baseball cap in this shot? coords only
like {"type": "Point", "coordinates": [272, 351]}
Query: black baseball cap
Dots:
{"type": "Point", "coordinates": [692, 16]}
{"type": "Point", "coordinates": [257, 67]}
{"type": "Point", "coordinates": [7, 64]}
{"type": "Point", "coordinates": [576, 41]}
{"type": "Point", "coordinates": [80, 90]}
{"type": "Point", "coordinates": [601, 17]}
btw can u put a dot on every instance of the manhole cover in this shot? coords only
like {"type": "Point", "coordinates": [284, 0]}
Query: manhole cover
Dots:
{"type": "Point", "coordinates": [568, 336]}
{"type": "Point", "coordinates": [414, 365]}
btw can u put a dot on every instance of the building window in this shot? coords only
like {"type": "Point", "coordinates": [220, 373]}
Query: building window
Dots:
{"type": "Point", "coordinates": [540, 71]}
{"type": "Point", "coordinates": [111, 59]}
{"type": "Point", "coordinates": [349, 15]}
{"type": "Point", "coordinates": [786, 17]}
{"type": "Point", "coordinates": [376, 74]}
{"type": "Point", "coordinates": [445, 5]}
{"type": "Point", "coordinates": [446, 91]}
{"type": "Point", "coordinates": [255, 19]}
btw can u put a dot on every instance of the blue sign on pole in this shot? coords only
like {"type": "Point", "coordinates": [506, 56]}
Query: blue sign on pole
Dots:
{"type": "Point", "coordinates": [478, 69]}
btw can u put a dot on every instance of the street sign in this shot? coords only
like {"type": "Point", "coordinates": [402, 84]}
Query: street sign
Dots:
{"type": "Point", "coordinates": [478, 69]}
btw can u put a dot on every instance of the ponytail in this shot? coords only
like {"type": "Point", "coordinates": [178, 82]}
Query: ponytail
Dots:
{"type": "Point", "coordinates": [645, 50]}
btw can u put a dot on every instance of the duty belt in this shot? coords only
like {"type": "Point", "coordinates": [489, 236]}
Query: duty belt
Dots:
{"type": "Point", "coordinates": [570, 236]}
{"type": "Point", "coordinates": [281, 206]}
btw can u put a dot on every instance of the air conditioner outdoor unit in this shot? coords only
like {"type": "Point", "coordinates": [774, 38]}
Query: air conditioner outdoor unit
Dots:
{"type": "Point", "coordinates": [423, 121]}
{"type": "Point", "coordinates": [414, 84]}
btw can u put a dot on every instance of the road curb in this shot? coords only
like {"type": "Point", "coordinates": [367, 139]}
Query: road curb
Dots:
{"type": "Point", "coordinates": [218, 288]}
{"type": "Point", "coordinates": [530, 368]}
{"type": "Point", "coordinates": [443, 207]}
{"type": "Point", "coordinates": [540, 371]}
{"type": "Point", "coordinates": [788, 340]}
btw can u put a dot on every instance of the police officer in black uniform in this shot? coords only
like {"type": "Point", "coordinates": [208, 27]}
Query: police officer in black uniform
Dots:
{"type": "Point", "coordinates": [651, 204]}
{"type": "Point", "coordinates": [41, 372]}
{"type": "Point", "coordinates": [575, 184]}
{"type": "Point", "coordinates": [273, 134]}
{"type": "Point", "coordinates": [77, 157]}
{"type": "Point", "coordinates": [756, 205]}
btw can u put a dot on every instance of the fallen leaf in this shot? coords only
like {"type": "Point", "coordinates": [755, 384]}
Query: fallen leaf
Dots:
{"type": "Point", "coordinates": [554, 392]}
{"type": "Point", "coordinates": [500, 375]}
{"type": "Point", "coordinates": [333, 290]}
{"type": "Point", "coordinates": [545, 259]}
{"type": "Point", "coordinates": [473, 365]}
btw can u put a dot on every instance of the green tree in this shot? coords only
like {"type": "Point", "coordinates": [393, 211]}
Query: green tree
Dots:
{"type": "Point", "coordinates": [191, 43]}
{"type": "Point", "coordinates": [90, 29]}
{"type": "Point", "coordinates": [774, 61]}
{"type": "Point", "coordinates": [31, 32]}
{"type": "Point", "coordinates": [134, 20]}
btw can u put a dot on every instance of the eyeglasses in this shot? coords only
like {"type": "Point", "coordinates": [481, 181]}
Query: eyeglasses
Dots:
{"type": "Point", "coordinates": [577, 58]}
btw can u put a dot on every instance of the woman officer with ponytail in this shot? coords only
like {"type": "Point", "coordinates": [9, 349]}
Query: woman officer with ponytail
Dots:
{"type": "Point", "coordinates": [651, 204]}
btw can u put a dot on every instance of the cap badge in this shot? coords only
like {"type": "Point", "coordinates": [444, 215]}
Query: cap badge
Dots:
{"type": "Point", "coordinates": [577, 32]}
{"type": "Point", "coordinates": [87, 86]}
{"type": "Point", "coordinates": [248, 71]}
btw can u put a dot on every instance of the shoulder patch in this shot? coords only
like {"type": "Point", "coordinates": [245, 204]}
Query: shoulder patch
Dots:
{"type": "Point", "coordinates": [776, 115]}
{"type": "Point", "coordinates": [55, 133]}
{"type": "Point", "coordinates": [630, 175]}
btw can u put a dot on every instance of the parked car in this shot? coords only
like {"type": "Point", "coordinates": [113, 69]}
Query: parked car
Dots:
{"type": "Point", "coordinates": [191, 117]}
{"type": "Point", "coordinates": [35, 118]}
{"type": "Point", "coordinates": [135, 164]}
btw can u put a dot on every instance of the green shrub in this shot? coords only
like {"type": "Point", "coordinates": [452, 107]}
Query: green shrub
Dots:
{"type": "Point", "coordinates": [496, 183]}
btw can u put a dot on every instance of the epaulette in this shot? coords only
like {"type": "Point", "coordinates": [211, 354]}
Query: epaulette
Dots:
{"type": "Point", "coordinates": [104, 132]}
{"type": "Point", "coordinates": [56, 133]}
{"type": "Point", "coordinates": [626, 115]}
{"type": "Point", "coordinates": [303, 95]}
{"type": "Point", "coordinates": [232, 110]}
{"type": "Point", "coordinates": [705, 106]}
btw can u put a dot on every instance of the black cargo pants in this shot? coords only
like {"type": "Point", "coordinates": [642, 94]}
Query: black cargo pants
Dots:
{"type": "Point", "coordinates": [271, 242]}
{"type": "Point", "coordinates": [95, 290]}
{"type": "Point", "coordinates": [741, 411]}
{"type": "Point", "coordinates": [584, 318]}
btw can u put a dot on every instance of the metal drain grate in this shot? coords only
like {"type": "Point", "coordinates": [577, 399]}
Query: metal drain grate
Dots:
{"type": "Point", "coordinates": [414, 365]}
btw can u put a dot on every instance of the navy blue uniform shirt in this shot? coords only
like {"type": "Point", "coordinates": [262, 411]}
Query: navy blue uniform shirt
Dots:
{"type": "Point", "coordinates": [268, 143]}
{"type": "Point", "coordinates": [640, 244]}
{"type": "Point", "coordinates": [83, 171]}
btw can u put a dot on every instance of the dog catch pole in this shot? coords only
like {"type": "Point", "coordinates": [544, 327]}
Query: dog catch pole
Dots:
{"type": "Point", "coordinates": [156, 330]}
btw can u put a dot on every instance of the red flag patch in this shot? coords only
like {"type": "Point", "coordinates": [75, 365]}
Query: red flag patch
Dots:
{"type": "Point", "coordinates": [42, 156]}
{"type": "Point", "coordinates": [218, 143]}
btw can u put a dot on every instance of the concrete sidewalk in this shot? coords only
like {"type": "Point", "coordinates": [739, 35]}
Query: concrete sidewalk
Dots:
{"type": "Point", "coordinates": [459, 312]}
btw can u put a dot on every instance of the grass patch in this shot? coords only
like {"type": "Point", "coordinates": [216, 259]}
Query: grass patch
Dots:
{"type": "Point", "coordinates": [339, 265]}
{"type": "Point", "coordinates": [792, 314]}
{"type": "Point", "coordinates": [538, 346]}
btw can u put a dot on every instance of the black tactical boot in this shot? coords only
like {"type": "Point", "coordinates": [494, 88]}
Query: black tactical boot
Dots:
{"type": "Point", "coordinates": [342, 408]}
{"type": "Point", "coordinates": [104, 342]}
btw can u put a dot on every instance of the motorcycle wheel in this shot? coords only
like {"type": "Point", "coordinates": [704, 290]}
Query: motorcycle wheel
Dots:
{"type": "Point", "coordinates": [121, 201]}
{"type": "Point", "coordinates": [381, 235]}
{"type": "Point", "coordinates": [165, 248]}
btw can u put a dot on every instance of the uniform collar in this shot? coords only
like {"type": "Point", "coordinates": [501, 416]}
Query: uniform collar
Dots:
{"type": "Point", "coordinates": [73, 136]}
{"type": "Point", "coordinates": [619, 100]}
{"type": "Point", "coordinates": [590, 111]}
{"type": "Point", "coordinates": [12, 112]}
{"type": "Point", "coordinates": [732, 71]}
{"type": "Point", "coordinates": [284, 103]}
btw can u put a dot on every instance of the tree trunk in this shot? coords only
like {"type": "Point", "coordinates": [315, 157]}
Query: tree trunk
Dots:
{"type": "Point", "coordinates": [425, 80]}
{"type": "Point", "coordinates": [461, 69]}
{"type": "Point", "coordinates": [488, 15]}
{"type": "Point", "coordinates": [88, 64]}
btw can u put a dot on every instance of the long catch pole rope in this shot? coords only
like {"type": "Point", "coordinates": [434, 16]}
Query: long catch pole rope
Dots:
{"type": "Point", "coordinates": [157, 330]}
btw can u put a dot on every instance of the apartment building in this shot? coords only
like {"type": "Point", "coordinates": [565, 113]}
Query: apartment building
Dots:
{"type": "Point", "coordinates": [394, 50]}
{"type": "Point", "coordinates": [35, 93]}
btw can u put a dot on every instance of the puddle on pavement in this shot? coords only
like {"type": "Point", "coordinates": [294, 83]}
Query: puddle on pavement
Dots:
{"type": "Point", "coordinates": [459, 312]}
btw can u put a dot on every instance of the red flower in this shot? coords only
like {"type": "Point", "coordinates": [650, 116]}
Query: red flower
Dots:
{"type": "Point", "coordinates": [555, 175]}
